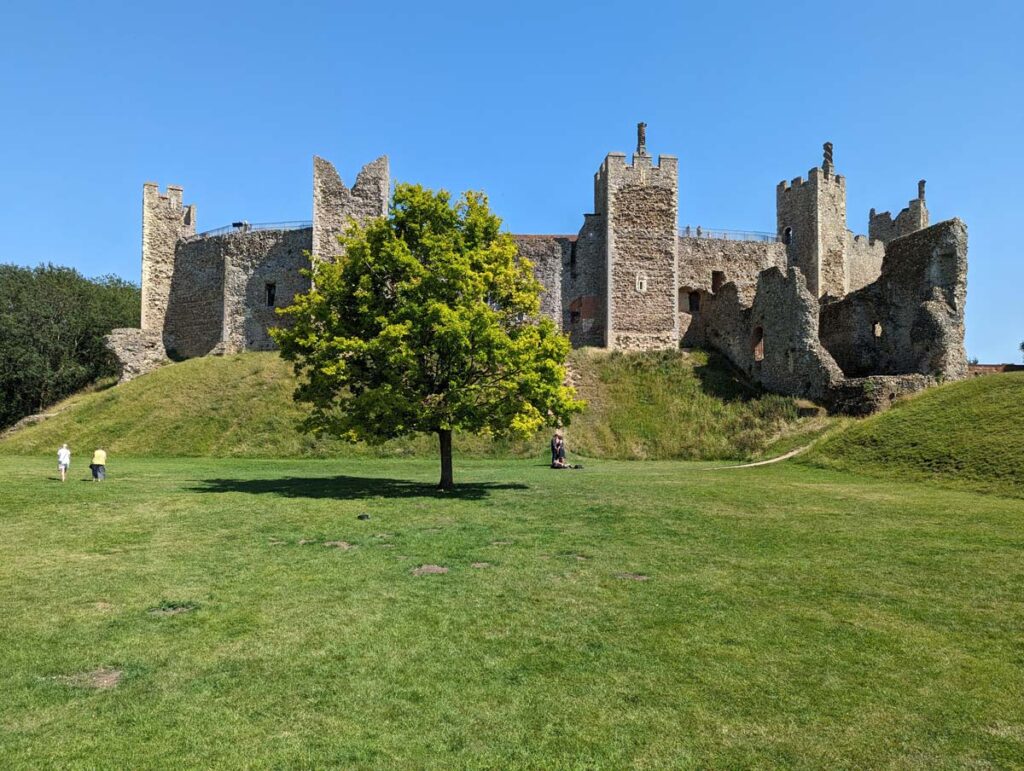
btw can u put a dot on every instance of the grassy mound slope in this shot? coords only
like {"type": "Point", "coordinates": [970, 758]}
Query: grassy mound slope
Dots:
{"type": "Point", "coordinates": [968, 434]}
{"type": "Point", "coordinates": [647, 406]}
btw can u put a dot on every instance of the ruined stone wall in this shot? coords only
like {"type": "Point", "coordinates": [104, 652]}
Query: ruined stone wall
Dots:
{"type": "Point", "coordinates": [911, 320]}
{"type": "Point", "coordinates": [863, 261]}
{"type": "Point", "coordinates": [774, 341]}
{"type": "Point", "coordinates": [335, 205]}
{"type": "Point", "coordinates": [263, 257]}
{"type": "Point", "coordinates": [882, 227]}
{"type": "Point", "coordinates": [218, 300]}
{"type": "Point", "coordinates": [707, 263]}
{"type": "Point", "coordinates": [642, 243]}
{"type": "Point", "coordinates": [195, 307]}
{"type": "Point", "coordinates": [585, 284]}
{"type": "Point", "coordinates": [550, 255]}
{"type": "Point", "coordinates": [138, 351]}
{"type": "Point", "coordinates": [164, 221]}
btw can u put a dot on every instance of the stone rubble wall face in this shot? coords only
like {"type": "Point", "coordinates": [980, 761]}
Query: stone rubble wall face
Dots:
{"type": "Point", "coordinates": [918, 305]}
{"type": "Point", "coordinates": [268, 257]}
{"type": "Point", "coordinates": [195, 310]}
{"type": "Point", "coordinates": [550, 255]}
{"type": "Point", "coordinates": [786, 314]}
{"type": "Point", "coordinates": [863, 261]}
{"type": "Point", "coordinates": [335, 206]}
{"type": "Point", "coordinates": [139, 351]}
{"type": "Point", "coordinates": [585, 285]}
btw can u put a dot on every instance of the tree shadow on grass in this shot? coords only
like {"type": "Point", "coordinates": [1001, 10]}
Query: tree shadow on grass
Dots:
{"type": "Point", "coordinates": [351, 488]}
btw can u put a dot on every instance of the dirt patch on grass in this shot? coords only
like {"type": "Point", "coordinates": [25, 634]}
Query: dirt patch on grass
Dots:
{"type": "Point", "coordinates": [633, 576]}
{"type": "Point", "coordinates": [103, 607]}
{"type": "Point", "coordinates": [307, 541]}
{"type": "Point", "coordinates": [481, 564]}
{"type": "Point", "coordinates": [429, 570]}
{"type": "Point", "coordinates": [172, 608]}
{"type": "Point", "coordinates": [101, 679]}
{"type": "Point", "coordinates": [276, 542]}
{"type": "Point", "coordinates": [343, 545]}
{"type": "Point", "coordinates": [501, 543]}
{"type": "Point", "coordinates": [387, 546]}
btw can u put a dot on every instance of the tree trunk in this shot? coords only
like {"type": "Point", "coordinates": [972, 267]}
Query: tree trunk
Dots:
{"type": "Point", "coordinates": [446, 483]}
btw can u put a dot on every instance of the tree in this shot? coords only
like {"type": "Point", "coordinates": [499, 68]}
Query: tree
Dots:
{"type": "Point", "coordinates": [52, 323]}
{"type": "Point", "coordinates": [429, 323]}
{"type": "Point", "coordinates": [1022, 349]}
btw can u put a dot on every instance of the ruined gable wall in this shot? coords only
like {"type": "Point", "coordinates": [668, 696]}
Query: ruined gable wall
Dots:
{"type": "Point", "coordinates": [165, 220]}
{"type": "Point", "coordinates": [335, 205]}
{"type": "Point", "coordinates": [259, 258]}
{"type": "Point", "coordinates": [642, 245]}
{"type": "Point", "coordinates": [917, 304]}
{"type": "Point", "coordinates": [550, 255]}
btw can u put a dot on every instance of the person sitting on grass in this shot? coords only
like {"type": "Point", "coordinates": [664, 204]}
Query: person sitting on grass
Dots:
{"type": "Point", "coordinates": [558, 452]}
{"type": "Point", "coordinates": [99, 465]}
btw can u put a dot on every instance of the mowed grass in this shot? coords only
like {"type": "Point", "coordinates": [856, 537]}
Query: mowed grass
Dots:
{"type": "Point", "coordinates": [654, 405]}
{"type": "Point", "coordinates": [968, 434]}
{"type": "Point", "coordinates": [791, 616]}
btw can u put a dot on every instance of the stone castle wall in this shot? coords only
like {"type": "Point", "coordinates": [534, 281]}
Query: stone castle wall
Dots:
{"type": "Point", "coordinates": [911, 320]}
{"type": "Point", "coordinates": [851, 321]}
{"type": "Point", "coordinates": [585, 284]}
{"type": "Point", "coordinates": [549, 255]}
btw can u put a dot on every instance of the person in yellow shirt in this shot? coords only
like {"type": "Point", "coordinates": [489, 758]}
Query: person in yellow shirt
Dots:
{"type": "Point", "coordinates": [99, 465]}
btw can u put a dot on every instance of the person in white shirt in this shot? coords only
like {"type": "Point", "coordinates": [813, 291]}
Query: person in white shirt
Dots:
{"type": "Point", "coordinates": [63, 461]}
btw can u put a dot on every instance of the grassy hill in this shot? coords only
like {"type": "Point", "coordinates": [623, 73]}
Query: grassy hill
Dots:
{"type": "Point", "coordinates": [969, 434]}
{"type": "Point", "coordinates": [641, 406]}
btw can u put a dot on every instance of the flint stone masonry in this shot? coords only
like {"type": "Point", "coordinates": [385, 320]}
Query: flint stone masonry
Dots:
{"type": "Point", "coordinates": [335, 206]}
{"type": "Point", "coordinates": [911, 320]}
{"type": "Point", "coordinates": [140, 351]}
{"type": "Point", "coordinates": [850, 321]}
{"type": "Point", "coordinates": [549, 255]}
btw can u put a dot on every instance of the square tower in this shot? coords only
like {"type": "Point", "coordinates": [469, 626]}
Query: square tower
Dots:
{"type": "Point", "coordinates": [640, 204]}
{"type": "Point", "coordinates": [811, 217]}
{"type": "Point", "coordinates": [165, 220]}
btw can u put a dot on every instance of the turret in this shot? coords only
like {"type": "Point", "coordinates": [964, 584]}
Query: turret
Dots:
{"type": "Point", "coordinates": [165, 221]}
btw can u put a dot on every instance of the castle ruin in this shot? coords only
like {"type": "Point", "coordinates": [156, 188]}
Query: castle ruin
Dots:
{"type": "Point", "coordinates": [812, 310]}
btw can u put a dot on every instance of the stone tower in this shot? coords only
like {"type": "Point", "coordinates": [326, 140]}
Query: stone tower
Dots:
{"type": "Point", "coordinates": [811, 217]}
{"type": "Point", "coordinates": [164, 221]}
{"type": "Point", "coordinates": [640, 204]}
{"type": "Point", "coordinates": [335, 205]}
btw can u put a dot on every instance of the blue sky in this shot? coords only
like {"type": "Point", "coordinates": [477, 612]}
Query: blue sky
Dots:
{"type": "Point", "coordinates": [521, 100]}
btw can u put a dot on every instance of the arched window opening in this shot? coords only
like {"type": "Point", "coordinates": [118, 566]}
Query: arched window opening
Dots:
{"type": "Point", "coordinates": [757, 343]}
{"type": "Point", "coordinates": [787, 236]}
{"type": "Point", "coordinates": [641, 283]}
{"type": "Point", "coordinates": [877, 329]}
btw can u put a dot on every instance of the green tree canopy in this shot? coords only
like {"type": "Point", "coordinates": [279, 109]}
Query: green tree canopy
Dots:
{"type": "Point", "coordinates": [429, 323]}
{"type": "Point", "coordinates": [52, 323]}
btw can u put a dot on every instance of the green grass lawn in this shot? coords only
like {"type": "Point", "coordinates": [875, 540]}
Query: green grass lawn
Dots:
{"type": "Point", "coordinates": [791, 616]}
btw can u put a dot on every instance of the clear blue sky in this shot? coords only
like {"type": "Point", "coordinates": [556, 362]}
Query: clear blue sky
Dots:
{"type": "Point", "coordinates": [521, 100]}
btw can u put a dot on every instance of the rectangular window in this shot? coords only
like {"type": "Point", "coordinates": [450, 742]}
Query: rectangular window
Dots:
{"type": "Point", "coordinates": [717, 279]}
{"type": "Point", "coordinates": [271, 295]}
